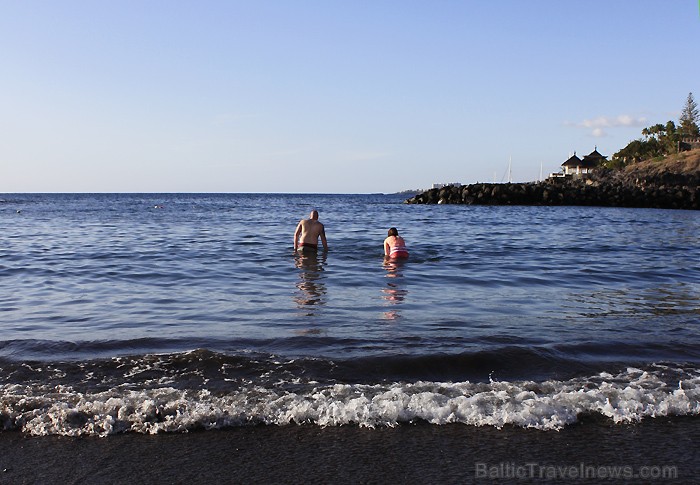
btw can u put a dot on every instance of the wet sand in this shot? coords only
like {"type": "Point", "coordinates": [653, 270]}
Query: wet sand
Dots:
{"type": "Point", "coordinates": [418, 453]}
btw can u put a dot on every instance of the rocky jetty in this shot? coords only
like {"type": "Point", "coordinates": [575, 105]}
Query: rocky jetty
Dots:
{"type": "Point", "coordinates": [589, 191]}
{"type": "Point", "coordinates": [637, 186]}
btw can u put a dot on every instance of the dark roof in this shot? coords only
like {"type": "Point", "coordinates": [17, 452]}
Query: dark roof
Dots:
{"type": "Point", "coordinates": [595, 156]}
{"type": "Point", "coordinates": [572, 162]}
{"type": "Point", "coordinates": [591, 160]}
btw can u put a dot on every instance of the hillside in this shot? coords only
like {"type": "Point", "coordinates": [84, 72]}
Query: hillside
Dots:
{"type": "Point", "coordinates": [684, 163]}
{"type": "Point", "coordinates": [678, 169]}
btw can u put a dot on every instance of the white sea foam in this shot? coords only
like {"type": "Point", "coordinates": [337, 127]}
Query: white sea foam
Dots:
{"type": "Point", "coordinates": [624, 398]}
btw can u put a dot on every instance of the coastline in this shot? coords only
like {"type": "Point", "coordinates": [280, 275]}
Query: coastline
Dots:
{"type": "Point", "coordinates": [418, 453]}
{"type": "Point", "coordinates": [669, 183]}
{"type": "Point", "coordinates": [595, 190]}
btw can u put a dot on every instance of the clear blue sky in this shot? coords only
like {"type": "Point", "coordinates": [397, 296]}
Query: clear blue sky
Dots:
{"type": "Point", "coordinates": [329, 96]}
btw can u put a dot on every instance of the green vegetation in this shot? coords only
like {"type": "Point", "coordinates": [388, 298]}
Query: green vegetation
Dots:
{"type": "Point", "coordinates": [660, 140]}
{"type": "Point", "coordinates": [690, 117]}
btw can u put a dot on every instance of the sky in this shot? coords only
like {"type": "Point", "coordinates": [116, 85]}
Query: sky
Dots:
{"type": "Point", "coordinates": [324, 96]}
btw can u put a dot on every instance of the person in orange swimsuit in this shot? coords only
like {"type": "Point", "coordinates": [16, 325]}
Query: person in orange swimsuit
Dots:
{"type": "Point", "coordinates": [394, 245]}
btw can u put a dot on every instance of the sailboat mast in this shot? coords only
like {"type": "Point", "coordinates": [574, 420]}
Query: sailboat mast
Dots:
{"type": "Point", "coordinates": [510, 171]}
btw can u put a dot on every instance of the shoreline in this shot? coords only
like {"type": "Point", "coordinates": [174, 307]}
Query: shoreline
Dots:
{"type": "Point", "coordinates": [590, 191]}
{"type": "Point", "coordinates": [672, 182]}
{"type": "Point", "coordinates": [417, 453]}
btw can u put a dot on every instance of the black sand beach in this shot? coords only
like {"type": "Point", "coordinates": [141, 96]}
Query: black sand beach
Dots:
{"type": "Point", "coordinates": [418, 453]}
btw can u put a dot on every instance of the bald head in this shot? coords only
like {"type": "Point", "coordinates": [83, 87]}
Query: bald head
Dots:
{"type": "Point", "coordinates": [314, 215]}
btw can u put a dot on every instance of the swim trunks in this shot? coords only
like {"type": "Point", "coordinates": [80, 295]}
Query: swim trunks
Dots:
{"type": "Point", "coordinates": [307, 247]}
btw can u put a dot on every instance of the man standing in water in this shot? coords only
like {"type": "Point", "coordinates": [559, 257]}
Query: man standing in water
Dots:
{"type": "Point", "coordinates": [307, 233]}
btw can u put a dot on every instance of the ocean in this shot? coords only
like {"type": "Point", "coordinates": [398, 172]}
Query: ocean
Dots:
{"type": "Point", "coordinates": [128, 318]}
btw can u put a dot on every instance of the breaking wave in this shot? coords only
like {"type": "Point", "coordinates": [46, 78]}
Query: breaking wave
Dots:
{"type": "Point", "coordinates": [624, 397]}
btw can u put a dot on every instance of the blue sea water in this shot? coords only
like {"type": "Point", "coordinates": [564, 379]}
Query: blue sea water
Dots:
{"type": "Point", "coordinates": [172, 312]}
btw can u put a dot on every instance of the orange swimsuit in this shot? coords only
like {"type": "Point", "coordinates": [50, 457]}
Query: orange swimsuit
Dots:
{"type": "Point", "coordinates": [398, 252]}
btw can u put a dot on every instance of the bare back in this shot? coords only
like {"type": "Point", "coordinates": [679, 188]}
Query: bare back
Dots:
{"type": "Point", "coordinates": [307, 233]}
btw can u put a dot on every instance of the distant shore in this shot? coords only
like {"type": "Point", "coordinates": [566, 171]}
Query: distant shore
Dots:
{"type": "Point", "coordinates": [662, 186]}
{"type": "Point", "coordinates": [586, 192]}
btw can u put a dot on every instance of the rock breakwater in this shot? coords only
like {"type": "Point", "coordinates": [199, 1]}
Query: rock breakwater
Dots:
{"type": "Point", "coordinates": [608, 188]}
